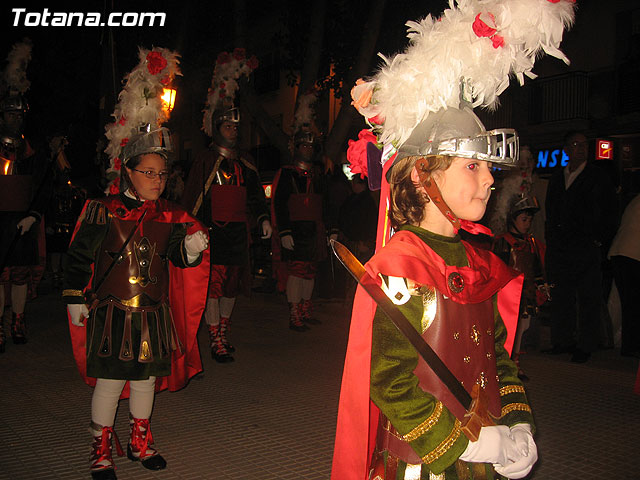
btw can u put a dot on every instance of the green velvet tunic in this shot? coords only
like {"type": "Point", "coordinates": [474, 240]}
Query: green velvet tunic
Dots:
{"type": "Point", "coordinates": [395, 389]}
{"type": "Point", "coordinates": [78, 270]}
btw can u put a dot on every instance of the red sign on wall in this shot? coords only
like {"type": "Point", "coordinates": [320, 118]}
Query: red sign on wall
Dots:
{"type": "Point", "coordinates": [604, 149]}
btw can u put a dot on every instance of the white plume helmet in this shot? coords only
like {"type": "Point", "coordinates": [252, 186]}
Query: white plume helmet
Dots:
{"type": "Point", "coordinates": [15, 73]}
{"type": "Point", "coordinates": [305, 114]}
{"type": "Point", "coordinates": [475, 43]}
{"type": "Point", "coordinates": [224, 82]}
{"type": "Point", "coordinates": [139, 105]}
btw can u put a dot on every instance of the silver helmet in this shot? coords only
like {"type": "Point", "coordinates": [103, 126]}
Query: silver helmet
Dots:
{"type": "Point", "coordinates": [303, 137]}
{"type": "Point", "coordinates": [148, 141]}
{"type": "Point", "coordinates": [14, 103]}
{"type": "Point", "coordinates": [458, 132]}
{"type": "Point", "coordinates": [220, 116]}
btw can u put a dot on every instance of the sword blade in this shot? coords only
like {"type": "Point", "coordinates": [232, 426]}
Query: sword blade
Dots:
{"type": "Point", "coordinates": [357, 270]}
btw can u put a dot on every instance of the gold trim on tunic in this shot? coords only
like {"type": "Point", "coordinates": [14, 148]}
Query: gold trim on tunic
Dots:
{"type": "Point", "coordinates": [506, 390]}
{"type": "Point", "coordinates": [445, 445]}
{"type": "Point", "coordinates": [512, 407]}
{"type": "Point", "coordinates": [72, 293]}
{"type": "Point", "coordinates": [425, 426]}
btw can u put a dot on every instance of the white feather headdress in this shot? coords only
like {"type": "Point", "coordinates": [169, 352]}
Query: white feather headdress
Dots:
{"type": "Point", "coordinates": [224, 83]}
{"type": "Point", "coordinates": [15, 73]}
{"type": "Point", "coordinates": [305, 112]}
{"type": "Point", "coordinates": [476, 42]}
{"type": "Point", "coordinates": [139, 103]}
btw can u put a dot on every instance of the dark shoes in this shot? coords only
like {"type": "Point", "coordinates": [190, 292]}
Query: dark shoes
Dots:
{"type": "Point", "coordinates": [156, 462]}
{"type": "Point", "coordinates": [580, 356]}
{"type": "Point", "coordinates": [105, 474]}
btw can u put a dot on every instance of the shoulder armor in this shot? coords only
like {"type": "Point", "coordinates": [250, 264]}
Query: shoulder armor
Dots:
{"type": "Point", "coordinates": [96, 213]}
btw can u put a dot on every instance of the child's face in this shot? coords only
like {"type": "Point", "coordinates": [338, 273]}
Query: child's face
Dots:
{"type": "Point", "coordinates": [466, 187]}
{"type": "Point", "coordinates": [522, 222]}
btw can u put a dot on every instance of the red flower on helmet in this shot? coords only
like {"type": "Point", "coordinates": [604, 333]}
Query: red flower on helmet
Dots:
{"type": "Point", "coordinates": [165, 80]}
{"type": "Point", "coordinates": [485, 26]}
{"type": "Point", "coordinates": [124, 141]}
{"type": "Point", "coordinates": [357, 152]}
{"type": "Point", "coordinates": [223, 57]}
{"type": "Point", "coordinates": [155, 62]}
{"type": "Point", "coordinates": [239, 53]}
{"type": "Point", "coordinates": [122, 120]}
{"type": "Point", "coordinates": [252, 63]}
{"type": "Point", "coordinates": [117, 163]}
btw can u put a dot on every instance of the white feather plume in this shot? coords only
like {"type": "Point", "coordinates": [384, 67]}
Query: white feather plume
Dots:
{"type": "Point", "coordinates": [444, 51]}
{"type": "Point", "coordinates": [305, 113]}
{"type": "Point", "coordinates": [139, 102]}
{"type": "Point", "coordinates": [15, 74]}
{"type": "Point", "coordinates": [224, 82]}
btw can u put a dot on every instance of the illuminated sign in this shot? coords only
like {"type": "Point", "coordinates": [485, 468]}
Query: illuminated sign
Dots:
{"type": "Point", "coordinates": [552, 158]}
{"type": "Point", "coordinates": [267, 190]}
{"type": "Point", "coordinates": [604, 149]}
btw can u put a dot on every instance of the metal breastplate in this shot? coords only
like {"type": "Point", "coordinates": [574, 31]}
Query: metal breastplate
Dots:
{"type": "Point", "coordinates": [141, 276]}
{"type": "Point", "coordinates": [463, 337]}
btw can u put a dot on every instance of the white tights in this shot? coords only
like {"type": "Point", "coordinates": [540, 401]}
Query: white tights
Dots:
{"type": "Point", "coordinates": [104, 402]}
{"type": "Point", "coordinates": [299, 289]}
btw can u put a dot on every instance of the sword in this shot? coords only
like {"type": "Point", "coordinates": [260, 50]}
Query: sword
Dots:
{"type": "Point", "coordinates": [476, 404]}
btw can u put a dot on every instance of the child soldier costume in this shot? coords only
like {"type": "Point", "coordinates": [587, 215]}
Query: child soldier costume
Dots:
{"type": "Point", "coordinates": [224, 191]}
{"type": "Point", "coordinates": [128, 259]}
{"type": "Point", "coordinates": [302, 220]}
{"type": "Point", "coordinates": [402, 420]}
{"type": "Point", "coordinates": [24, 189]}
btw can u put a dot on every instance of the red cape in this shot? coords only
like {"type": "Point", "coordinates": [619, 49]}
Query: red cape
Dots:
{"type": "Point", "coordinates": [407, 256]}
{"type": "Point", "coordinates": [187, 297]}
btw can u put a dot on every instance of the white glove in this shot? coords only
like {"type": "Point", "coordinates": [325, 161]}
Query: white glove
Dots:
{"type": "Point", "coordinates": [194, 244]}
{"type": "Point", "coordinates": [287, 242]}
{"type": "Point", "coordinates": [78, 312]}
{"type": "Point", "coordinates": [333, 236]}
{"type": "Point", "coordinates": [25, 224]}
{"type": "Point", "coordinates": [494, 445]}
{"type": "Point", "coordinates": [521, 434]}
{"type": "Point", "coordinates": [266, 229]}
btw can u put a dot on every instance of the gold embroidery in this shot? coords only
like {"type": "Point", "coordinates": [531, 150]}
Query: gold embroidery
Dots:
{"type": "Point", "coordinates": [425, 426]}
{"type": "Point", "coordinates": [429, 308]}
{"type": "Point", "coordinates": [475, 335]}
{"type": "Point", "coordinates": [489, 355]}
{"type": "Point", "coordinates": [456, 335]}
{"type": "Point", "coordinates": [466, 359]}
{"type": "Point", "coordinates": [144, 351]}
{"type": "Point", "coordinates": [446, 444]}
{"type": "Point", "coordinates": [506, 390]}
{"type": "Point", "coordinates": [512, 407]}
{"type": "Point", "coordinates": [72, 293]}
{"type": "Point", "coordinates": [482, 380]}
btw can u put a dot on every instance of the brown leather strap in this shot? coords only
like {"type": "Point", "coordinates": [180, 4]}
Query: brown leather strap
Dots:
{"type": "Point", "coordinates": [434, 192]}
{"type": "Point", "coordinates": [126, 348]}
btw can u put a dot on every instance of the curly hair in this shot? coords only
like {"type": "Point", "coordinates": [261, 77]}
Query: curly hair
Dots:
{"type": "Point", "coordinates": [407, 202]}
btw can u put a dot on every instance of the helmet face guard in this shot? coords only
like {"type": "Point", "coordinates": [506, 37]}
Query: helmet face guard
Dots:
{"type": "Point", "coordinates": [303, 137]}
{"type": "Point", "coordinates": [229, 115]}
{"type": "Point", "coordinates": [155, 141]}
{"type": "Point", "coordinates": [14, 103]}
{"type": "Point", "coordinates": [500, 146]}
{"type": "Point", "coordinates": [460, 133]}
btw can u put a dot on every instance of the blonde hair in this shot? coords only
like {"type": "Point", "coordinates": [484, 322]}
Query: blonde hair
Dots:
{"type": "Point", "coordinates": [407, 202]}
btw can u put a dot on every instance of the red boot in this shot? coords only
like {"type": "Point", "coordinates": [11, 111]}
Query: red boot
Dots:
{"type": "Point", "coordinates": [225, 325]}
{"type": "Point", "coordinates": [102, 467]}
{"type": "Point", "coordinates": [18, 328]}
{"type": "Point", "coordinates": [295, 318]}
{"type": "Point", "coordinates": [306, 311]}
{"type": "Point", "coordinates": [219, 351]}
{"type": "Point", "coordinates": [140, 445]}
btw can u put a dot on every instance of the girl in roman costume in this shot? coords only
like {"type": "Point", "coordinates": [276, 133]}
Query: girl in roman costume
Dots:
{"type": "Point", "coordinates": [140, 262]}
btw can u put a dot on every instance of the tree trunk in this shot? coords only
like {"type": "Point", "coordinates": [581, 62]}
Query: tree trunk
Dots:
{"type": "Point", "coordinates": [338, 135]}
{"type": "Point", "coordinates": [309, 73]}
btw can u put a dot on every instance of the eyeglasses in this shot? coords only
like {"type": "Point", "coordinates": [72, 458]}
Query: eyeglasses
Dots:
{"type": "Point", "coordinates": [152, 175]}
